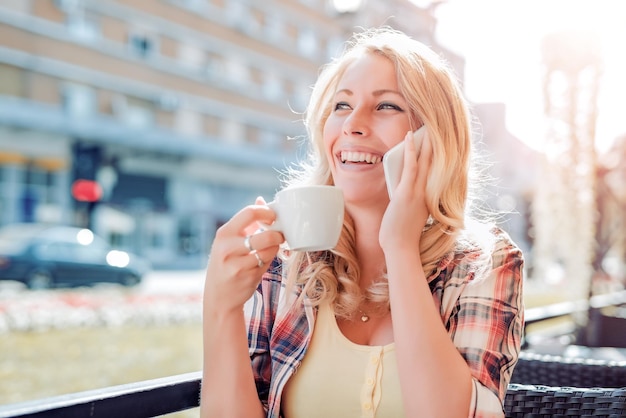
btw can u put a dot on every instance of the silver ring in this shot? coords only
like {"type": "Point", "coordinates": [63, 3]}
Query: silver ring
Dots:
{"type": "Point", "coordinates": [259, 262]}
{"type": "Point", "coordinates": [246, 242]}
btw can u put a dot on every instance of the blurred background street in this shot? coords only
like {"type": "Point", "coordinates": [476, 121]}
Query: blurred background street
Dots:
{"type": "Point", "coordinates": [163, 298]}
{"type": "Point", "coordinates": [68, 340]}
{"type": "Point", "coordinates": [143, 125]}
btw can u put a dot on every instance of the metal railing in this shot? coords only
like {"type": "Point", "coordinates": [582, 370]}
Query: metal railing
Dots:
{"type": "Point", "coordinates": [587, 334]}
{"type": "Point", "coordinates": [150, 398]}
{"type": "Point", "coordinates": [557, 310]}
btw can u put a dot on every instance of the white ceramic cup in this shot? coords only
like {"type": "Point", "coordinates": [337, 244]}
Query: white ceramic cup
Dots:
{"type": "Point", "coordinates": [310, 217]}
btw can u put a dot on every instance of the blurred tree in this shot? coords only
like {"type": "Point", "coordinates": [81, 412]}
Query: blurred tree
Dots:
{"type": "Point", "coordinates": [609, 260]}
{"type": "Point", "coordinates": [564, 210]}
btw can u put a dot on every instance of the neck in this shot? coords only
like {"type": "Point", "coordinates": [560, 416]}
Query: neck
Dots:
{"type": "Point", "coordinates": [370, 254]}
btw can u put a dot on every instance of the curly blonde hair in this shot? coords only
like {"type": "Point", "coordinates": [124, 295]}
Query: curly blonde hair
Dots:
{"type": "Point", "coordinates": [435, 99]}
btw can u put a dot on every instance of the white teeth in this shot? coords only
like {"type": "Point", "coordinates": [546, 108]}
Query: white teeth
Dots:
{"type": "Point", "coordinates": [359, 157]}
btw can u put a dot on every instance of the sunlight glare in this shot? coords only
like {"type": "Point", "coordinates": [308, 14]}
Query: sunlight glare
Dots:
{"type": "Point", "coordinates": [501, 41]}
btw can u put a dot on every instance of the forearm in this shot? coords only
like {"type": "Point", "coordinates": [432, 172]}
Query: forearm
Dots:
{"type": "Point", "coordinates": [228, 387]}
{"type": "Point", "coordinates": [435, 379]}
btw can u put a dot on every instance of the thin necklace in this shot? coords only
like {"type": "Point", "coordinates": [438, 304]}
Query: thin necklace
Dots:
{"type": "Point", "coordinates": [364, 316]}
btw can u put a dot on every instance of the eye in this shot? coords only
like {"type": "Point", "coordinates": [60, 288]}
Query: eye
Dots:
{"type": "Point", "coordinates": [386, 105]}
{"type": "Point", "coordinates": [341, 106]}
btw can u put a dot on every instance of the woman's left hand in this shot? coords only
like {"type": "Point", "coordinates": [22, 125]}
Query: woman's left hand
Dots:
{"type": "Point", "coordinates": [406, 214]}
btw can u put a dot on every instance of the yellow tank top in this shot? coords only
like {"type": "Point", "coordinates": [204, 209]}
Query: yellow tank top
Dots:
{"type": "Point", "coordinates": [338, 378]}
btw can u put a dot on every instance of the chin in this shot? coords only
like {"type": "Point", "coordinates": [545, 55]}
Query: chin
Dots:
{"type": "Point", "coordinates": [367, 195]}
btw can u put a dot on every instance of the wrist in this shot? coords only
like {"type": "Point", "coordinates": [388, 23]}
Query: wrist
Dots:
{"type": "Point", "coordinates": [402, 258]}
{"type": "Point", "coordinates": [221, 312]}
{"type": "Point", "coordinates": [398, 248]}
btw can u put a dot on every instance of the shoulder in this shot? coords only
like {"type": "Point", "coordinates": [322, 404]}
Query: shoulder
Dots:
{"type": "Point", "coordinates": [504, 250]}
{"type": "Point", "coordinates": [481, 249]}
{"type": "Point", "coordinates": [482, 241]}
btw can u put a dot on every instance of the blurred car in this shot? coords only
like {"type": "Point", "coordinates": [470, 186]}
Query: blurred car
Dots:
{"type": "Point", "coordinates": [43, 256]}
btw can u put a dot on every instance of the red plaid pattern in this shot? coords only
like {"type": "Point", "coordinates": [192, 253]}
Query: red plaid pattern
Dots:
{"type": "Point", "coordinates": [479, 298]}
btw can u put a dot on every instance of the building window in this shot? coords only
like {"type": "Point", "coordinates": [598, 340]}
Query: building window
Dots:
{"type": "Point", "coordinates": [307, 42]}
{"type": "Point", "coordinates": [299, 97]}
{"type": "Point", "coordinates": [269, 139]}
{"type": "Point", "coordinates": [189, 242]}
{"type": "Point", "coordinates": [214, 66]}
{"type": "Point", "coordinates": [37, 190]}
{"type": "Point", "coordinates": [134, 112]}
{"type": "Point", "coordinates": [238, 71]}
{"type": "Point", "coordinates": [272, 87]}
{"type": "Point", "coordinates": [243, 18]}
{"type": "Point", "coordinates": [191, 56]}
{"type": "Point", "coordinates": [334, 47]}
{"type": "Point", "coordinates": [236, 14]}
{"type": "Point", "coordinates": [275, 29]}
{"type": "Point", "coordinates": [142, 42]}
{"type": "Point", "coordinates": [189, 122]}
{"type": "Point", "coordinates": [79, 100]}
{"type": "Point", "coordinates": [233, 132]}
{"type": "Point", "coordinates": [84, 26]}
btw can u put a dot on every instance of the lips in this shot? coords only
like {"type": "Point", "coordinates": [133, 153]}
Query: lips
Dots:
{"type": "Point", "coordinates": [359, 157]}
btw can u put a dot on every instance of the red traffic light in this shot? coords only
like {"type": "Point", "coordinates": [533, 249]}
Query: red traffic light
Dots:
{"type": "Point", "coordinates": [86, 190]}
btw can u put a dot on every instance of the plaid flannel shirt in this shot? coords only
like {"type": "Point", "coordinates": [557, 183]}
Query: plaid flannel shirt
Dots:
{"type": "Point", "coordinates": [483, 316]}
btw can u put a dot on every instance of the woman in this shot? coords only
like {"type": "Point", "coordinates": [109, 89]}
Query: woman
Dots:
{"type": "Point", "coordinates": [417, 311]}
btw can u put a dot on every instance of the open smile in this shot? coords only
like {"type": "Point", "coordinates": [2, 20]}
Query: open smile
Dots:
{"type": "Point", "coordinates": [355, 157]}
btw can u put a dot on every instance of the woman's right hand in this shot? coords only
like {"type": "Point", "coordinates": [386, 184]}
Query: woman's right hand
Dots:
{"type": "Point", "coordinates": [407, 212]}
{"type": "Point", "coordinates": [234, 269]}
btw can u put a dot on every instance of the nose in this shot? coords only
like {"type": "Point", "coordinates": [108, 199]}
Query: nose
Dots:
{"type": "Point", "coordinates": [356, 123]}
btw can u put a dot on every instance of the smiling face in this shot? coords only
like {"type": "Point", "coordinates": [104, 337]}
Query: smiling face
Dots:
{"type": "Point", "coordinates": [368, 117]}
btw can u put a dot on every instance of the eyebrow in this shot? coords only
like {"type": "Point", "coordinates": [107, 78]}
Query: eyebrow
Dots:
{"type": "Point", "coordinates": [374, 93]}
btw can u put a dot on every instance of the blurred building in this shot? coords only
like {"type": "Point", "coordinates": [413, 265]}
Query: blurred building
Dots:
{"type": "Point", "coordinates": [180, 111]}
{"type": "Point", "coordinates": [511, 168]}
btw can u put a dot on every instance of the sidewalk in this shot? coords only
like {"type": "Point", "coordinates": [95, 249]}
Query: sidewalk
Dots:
{"type": "Point", "coordinates": [101, 306]}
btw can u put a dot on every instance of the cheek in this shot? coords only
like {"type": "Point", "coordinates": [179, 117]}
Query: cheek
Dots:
{"type": "Point", "coordinates": [330, 133]}
{"type": "Point", "coordinates": [332, 127]}
{"type": "Point", "coordinates": [394, 133]}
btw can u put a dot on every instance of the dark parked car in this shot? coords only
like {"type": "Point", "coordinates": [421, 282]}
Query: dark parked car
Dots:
{"type": "Point", "coordinates": [43, 256]}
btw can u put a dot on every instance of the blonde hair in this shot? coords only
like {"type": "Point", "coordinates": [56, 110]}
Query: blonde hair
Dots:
{"type": "Point", "coordinates": [435, 99]}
